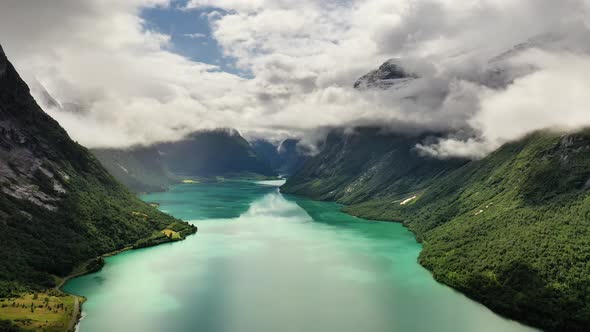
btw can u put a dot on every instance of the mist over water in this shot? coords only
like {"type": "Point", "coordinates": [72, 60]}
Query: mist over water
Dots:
{"type": "Point", "coordinates": [263, 261]}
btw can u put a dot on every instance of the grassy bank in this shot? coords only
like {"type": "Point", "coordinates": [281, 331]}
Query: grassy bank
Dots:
{"type": "Point", "coordinates": [50, 311]}
{"type": "Point", "coordinates": [56, 311]}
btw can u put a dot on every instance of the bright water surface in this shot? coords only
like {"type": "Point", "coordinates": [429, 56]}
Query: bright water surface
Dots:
{"type": "Point", "coordinates": [263, 261]}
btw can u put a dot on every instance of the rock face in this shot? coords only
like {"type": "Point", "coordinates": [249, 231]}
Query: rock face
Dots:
{"type": "Point", "coordinates": [29, 169]}
{"type": "Point", "coordinates": [58, 205]}
{"type": "Point", "coordinates": [388, 75]}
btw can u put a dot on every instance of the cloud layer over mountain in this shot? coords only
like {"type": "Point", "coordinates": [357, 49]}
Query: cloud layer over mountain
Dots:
{"type": "Point", "coordinates": [120, 85]}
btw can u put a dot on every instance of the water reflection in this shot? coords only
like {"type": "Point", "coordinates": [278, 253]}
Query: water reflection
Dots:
{"type": "Point", "coordinates": [281, 263]}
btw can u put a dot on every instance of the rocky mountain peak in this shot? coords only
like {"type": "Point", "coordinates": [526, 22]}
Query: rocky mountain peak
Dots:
{"type": "Point", "coordinates": [390, 73]}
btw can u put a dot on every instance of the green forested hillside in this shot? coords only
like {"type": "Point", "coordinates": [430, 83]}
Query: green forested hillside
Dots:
{"type": "Point", "coordinates": [511, 230]}
{"type": "Point", "coordinates": [58, 206]}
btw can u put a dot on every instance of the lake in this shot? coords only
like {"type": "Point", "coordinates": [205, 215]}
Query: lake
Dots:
{"type": "Point", "coordinates": [264, 261]}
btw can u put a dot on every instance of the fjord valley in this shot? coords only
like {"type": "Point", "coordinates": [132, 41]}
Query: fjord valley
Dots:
{"type": "Point", "coordinates": [203, 156]}
{"type": "Point", "coordinates": [264, 261]}
{"type": "Point", "coordinates": [367, 165]}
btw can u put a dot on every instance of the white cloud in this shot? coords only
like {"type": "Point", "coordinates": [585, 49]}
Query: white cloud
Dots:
{"type": "Point", "coordinates": [554, 97]}
{"type": "Point", "coordinates": [304, 57]}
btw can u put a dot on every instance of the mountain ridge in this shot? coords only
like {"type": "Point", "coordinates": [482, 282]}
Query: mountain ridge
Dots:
{"type": "Point", "coordinates": [58, 206]}
{"type": "Point", "coordinates": [201, 156]}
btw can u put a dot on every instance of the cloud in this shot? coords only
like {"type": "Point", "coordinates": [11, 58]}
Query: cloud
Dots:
{"type": "Point", "coordinates": [303, 58]}
{"type": "Point", "coordinates": [554, 97]}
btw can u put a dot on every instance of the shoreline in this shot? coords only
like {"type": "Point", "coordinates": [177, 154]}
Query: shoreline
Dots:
{"type": "Point", "coordinates": [79, 299]}
{"type": "Point", "coordinates": [65, 279]}
{"type": "Point", "coordinates": [501, 313]}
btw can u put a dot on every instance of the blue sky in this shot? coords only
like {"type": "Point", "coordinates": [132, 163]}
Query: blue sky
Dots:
{"type": "Point", "coordinates": [190, 34]}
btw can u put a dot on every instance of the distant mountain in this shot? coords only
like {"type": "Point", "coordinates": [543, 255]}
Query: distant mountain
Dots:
{"type": "Point", "coordinates": [502, 70]}
{"type": "Point", "coordinates": [285, 158]}
{"type": "Point", "coordinates": [204, 155]}
{"type": "Point", "coordinates": [141, 169]}
{"type": "Point", "coordinates": [221, 152]}
{"type": "Point", "coordinates": [58, 206]}
{"type": "Point", "coordinates": [354, 167]}
{"type": "Point", "coordinates": [370, 161]}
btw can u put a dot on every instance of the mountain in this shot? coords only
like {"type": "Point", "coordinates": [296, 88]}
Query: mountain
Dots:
{"type": "Point", "coordinates": [221, 152]}
{"type": "Point", "coordinates": [141, 169]}
{"type": "Point", "coordinates": [505, 68]}
{"type": "Point", "coordinates": [389, 74]}
{"type": "Point", "coordinates": [285, 158]}
{"type": "Point", "coordinates": [58, 206]}
{"type": "Point", "coordinates": [204, 155]}
{"type": "Point", "coordinates": [352, 168]}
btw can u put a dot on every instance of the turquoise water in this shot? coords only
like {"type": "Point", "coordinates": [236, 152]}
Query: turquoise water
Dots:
{"type": "Point", "coordinates": [263, 261]}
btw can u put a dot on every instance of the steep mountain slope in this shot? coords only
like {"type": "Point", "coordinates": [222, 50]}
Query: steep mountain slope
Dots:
{"type": "Point", "coordinates": [285, 158]}
{"type": "Point", "coordinates": [213, 153]}
{"type": "Point", "coordinates": [141, 169]}
{"type": "Point", "coordinates": [352, 168]}
{"type": "Point", "coordinates": [511, 230]}
{"type": "Point", "coordinates": [58, 206]}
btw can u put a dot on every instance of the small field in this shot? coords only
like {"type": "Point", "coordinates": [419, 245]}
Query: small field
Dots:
{"type": "Point", "coordinates": [172, 234]}
{"type": "Point", "coordinates": [39, 311]}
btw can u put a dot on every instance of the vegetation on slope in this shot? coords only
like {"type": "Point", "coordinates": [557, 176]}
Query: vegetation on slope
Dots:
{"type": "Point", "coordinates": [352, 168]}
{"type": "Point", "coordinates": [58, 206]}
{"type": "Point", "coordinates": [511, 230]}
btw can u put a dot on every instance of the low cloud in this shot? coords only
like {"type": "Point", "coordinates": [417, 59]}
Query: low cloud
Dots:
{"type": "Point", "coordinates": [556, 96]}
